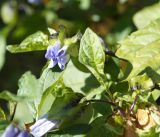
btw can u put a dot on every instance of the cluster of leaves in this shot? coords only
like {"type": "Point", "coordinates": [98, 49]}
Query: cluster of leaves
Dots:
{"type": "Point", "coordinates": [28, 16]}
{"type": "Point", "coordinates": [100, 93]}
{"type": "Point", "coordinates": [111, 19]}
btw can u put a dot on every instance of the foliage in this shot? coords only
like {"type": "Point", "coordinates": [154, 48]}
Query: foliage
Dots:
{"type": "Point", "coordinates": [102, 91]}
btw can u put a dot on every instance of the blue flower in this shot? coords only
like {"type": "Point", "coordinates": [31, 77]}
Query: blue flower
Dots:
{"type": "Point", "coordinates": [23, 134]}
{"type": "Point", "coordinates": [42, 126]}
{"type": "Point", "coordinates": [57, 55]}
{"type": "Point", "coordinates": [13, 131]}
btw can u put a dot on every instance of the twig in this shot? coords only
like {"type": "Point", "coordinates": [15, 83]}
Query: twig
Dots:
{"type": "Point", "coordinates": [111, 103]}
{"type": "Point", "coordinates": [134, 103]}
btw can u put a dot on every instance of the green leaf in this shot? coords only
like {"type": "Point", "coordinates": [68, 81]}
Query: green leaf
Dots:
{"type": "Point", "coordinates": [100, 108]}
{"type": "Point", "coordinates": [34, 88]}
{"type": "Point", "coordinates": [34, 42]}
{"type": "Point", "coordinates": [48, 81]}
{"type": "Point", "coordinates": [146, 15]}
{"type": "Point", "coordinates": [68, 109]}
{"type": "Point", "coordinates": [2, 115]}
{"type": "Point", "coordinates": [91, 52]}
{"type": "Point", "coordinates": [73, 47]}
{"type": "Point", "coordinates": [49, 96]}
{"type": "Point", "coordinates": [2, 50]}
{"type": "Point", "coordinates": [99, 128]}
{"type": "Point", "coordinates": [52, 31]}
{"type": "Point", "coordinates": [6, 95]}
{"type": "Point", "coordinates": [155, 94]}
{"type": "Point", "coordinates": [91, 55]}
{"type": "Point", "coordinates": [84, 82]}
{"type": "Point", "coordinates": [84, 115]}
{"type": "Point", "coordinates": [23, 114]}
{"type": "Point", "coordinates": [118, 35]}
{"type": "Point", "coordinates": [64, 102]}
{"type": "Point", "coordinates": [78, 130]}
{"type": "Point", "coordinates": [72, 40]}
{"type": "Point", "coordinates": [112, 69]}
{"type": "Point", "coordinates": [46, 101]}
{"type": "Point", "coordinates": [48, 77]}
{"type": "Point", "coordinates": [62, 33]}
{"type": "Point", "coordinates": [156, 117]}
{"type": "Point", "coordinates": [142, 82]}
{"type": "Point", "coordinates": [66, 106]}
{"type": "Point", "coordinates": [28, 86]}
{"type": "Point", "coordinates": [141, 49]}
{"type": "Point", "coordinates": [3, 126]}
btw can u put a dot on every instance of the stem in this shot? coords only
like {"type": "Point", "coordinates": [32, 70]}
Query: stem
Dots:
{"type": "Point", "coordinates": [108, 92]}
{"type": "Point", "coordinates": [111, 103]}
{"type": "Point", "coordinates": [156, 86]}
{"type": "Point", "coordinates": [110, 53]}
{"type": "Point", "coordinates": [14, 111]}
{"type": "Point", "coordinates": [102, 80]}
{"type": "Point", "coordinates": [134, 103]}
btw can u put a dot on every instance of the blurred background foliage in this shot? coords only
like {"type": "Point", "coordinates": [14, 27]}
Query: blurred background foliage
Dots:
{"type": "Point", "coordinates": [110, 19]}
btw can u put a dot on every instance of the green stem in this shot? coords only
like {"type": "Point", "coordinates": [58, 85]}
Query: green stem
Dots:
{"type": "Point", "coordinates": [122, 112]}
{"type": "Point", "coordinates": [106, 86]}
{"type": "Point", "coordinates": [14, 111]}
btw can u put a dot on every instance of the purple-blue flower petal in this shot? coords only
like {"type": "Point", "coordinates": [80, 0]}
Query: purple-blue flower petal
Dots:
{"type": "Point", "coordinates": [57, 47]}
{"type": "Point", "coordinates": [57, 55]}
{"type": "Point", "coordinates": [23, 134]}
{"type": "Point", "coordinates": [11, 131]}
{"type": "Point", "coordinates": [61, 66]}
{"type": "Point", "coordinates": [52, 63]}
{"type": "Point", "coordinates": [62, 60]}
{"type": "Point", "coordinates": [42, 126]}
{"type": "Point", "coordinates": [62, 51]}
{"type": "Point", "coordinates": [49, 54]}
{"type": "Point", "coordinates": [52, 51]}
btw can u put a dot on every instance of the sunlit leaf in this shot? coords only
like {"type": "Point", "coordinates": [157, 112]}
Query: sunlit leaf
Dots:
{"type": "Point", "coordinates": [155, 94]}
{"type": "Point", "coordinates": [33, 88]}
{"type": "Point", "coordinates": [146, 15]}
{"type": "Point", "coordinates": [34, 42]}
{"type": "Point", "coordinates": [91, 55]}
{"type": "Point", "coordinates": [142, 50]}
{"type": "Point", "coordinates": [28, 86]}
{"type": "Point", "coordinates": [50, 82]}
{"type": "Point", "coordinates": [6, 95]}
{"type": "Point", "coordinates": [91, 52]}
{"type": "Point", "coordinates": [141, 81]}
